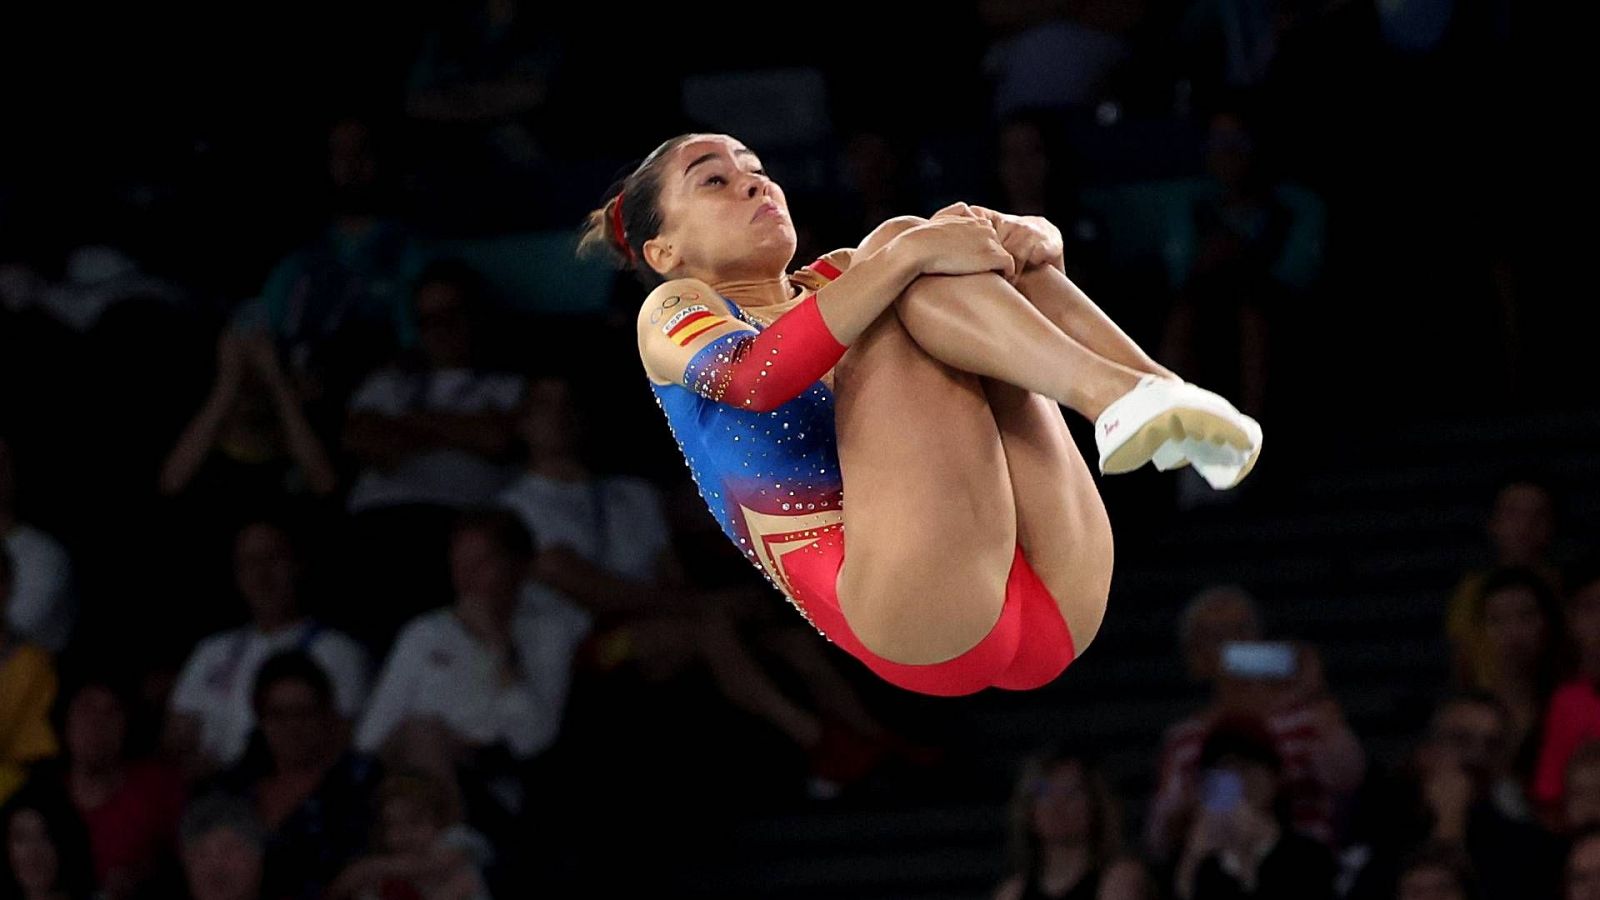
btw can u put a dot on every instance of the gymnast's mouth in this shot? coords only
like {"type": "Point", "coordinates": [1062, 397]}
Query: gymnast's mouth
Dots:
{"type": "Point", "coordinates": [767, 208]}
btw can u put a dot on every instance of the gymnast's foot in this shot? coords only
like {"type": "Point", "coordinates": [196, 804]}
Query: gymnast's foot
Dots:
{"type": "Point", "coordinates": [1174, 423]}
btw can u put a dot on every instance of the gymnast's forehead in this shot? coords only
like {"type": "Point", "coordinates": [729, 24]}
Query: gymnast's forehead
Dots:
{"type": "Point", "coordinates": [707, 148]}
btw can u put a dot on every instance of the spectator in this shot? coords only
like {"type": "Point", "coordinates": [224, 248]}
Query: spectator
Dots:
{"type": "Point", "coordinates": [1127, 880]}
{"type": "Point", "coordinates": [96, 277]}
{"type": "Point", "coordinates": [1524, 633]}
{"type": "Point", "coordinates": [251, 442]}
{"type": "Point", "coordinates": [1233, 42]}
{"type": "Point", "coordinates": [1037, 177]}
{"type": "Point", "coordinates": [310, 792]}
{"type": "Point", "coordinates": [1242, 843]}
{"type": "Point", "coordinates": [336, 305]}
{"type": "Point", "coordinates": [1213, 618]}
{"type": "Point", "coordinates": [1582, 876]}
{"type": "Point", "coordinates": [1438, 873]}
{"type": "Point", "coordinates": [480, 686]}
{"type": "Point", "coordinates": [1323, 760]}
{"type": "Point", "coordinates": [877, 184]}
{"type": "Point", "coordinates": [1066, 832]}
{"type": "Point", "coordinates": [131, 807]}
{"type": "Point", "coordinates": [1521, 530]}
{"type": "Point", "coordinates": [1239, 246]}
{"type": "Point", "coordinates": [1445, 798]}
{"type": "Point", "coordinates": [224, 848]}
{"type": "Point", "coordinates": [1581, 799]}
{"type": "Point", "coordinates": [605, 554]}
{"type": "Point", "coordinates": [27, 689]}
{"type": "Point", "coordinates": [41, 608]}
{"type": "Point", "coordinates": [47, 849]}
{"type": "Point", "coordinates": [211, 707]}
{"type": "Point", "coordinates": [1574, 714]}
{"type": "Point", "coordinates": [434, 437]}
{"type": "Point", "coordinates": [250, 448]}
{"type": "Point", "coordinates": [424, 849]}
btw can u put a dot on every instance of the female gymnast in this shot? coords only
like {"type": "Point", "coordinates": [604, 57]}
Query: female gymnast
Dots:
{"type": "Point", "coordinates": [919, 375]}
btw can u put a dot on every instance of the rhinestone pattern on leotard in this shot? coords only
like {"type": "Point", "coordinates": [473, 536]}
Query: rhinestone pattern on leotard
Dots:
{"type": "Point", "coordinates": [781, 463]}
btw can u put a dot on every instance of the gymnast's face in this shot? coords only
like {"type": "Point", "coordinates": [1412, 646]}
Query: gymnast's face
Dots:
{"type": "Point", "coordinates": [723, 218]}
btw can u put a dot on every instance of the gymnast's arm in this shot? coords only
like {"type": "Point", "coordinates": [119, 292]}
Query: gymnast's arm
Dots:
{"type": "Point", "coordinates": [687, 336]}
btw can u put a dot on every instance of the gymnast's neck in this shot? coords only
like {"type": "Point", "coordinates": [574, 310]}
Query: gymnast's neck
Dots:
{"type": "Point", "coordinates": [756, 292]}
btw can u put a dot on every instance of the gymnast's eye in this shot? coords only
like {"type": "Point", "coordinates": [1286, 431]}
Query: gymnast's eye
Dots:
{"type": "Point", "coordinates": [716, 179]}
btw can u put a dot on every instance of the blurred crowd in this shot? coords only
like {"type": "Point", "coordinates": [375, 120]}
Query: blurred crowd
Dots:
{"type": "Point", "coordinates": [345, 557]}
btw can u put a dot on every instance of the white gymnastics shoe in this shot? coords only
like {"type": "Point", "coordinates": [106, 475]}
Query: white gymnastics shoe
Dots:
{"type": "Point", "coordinates": [1173, 422]}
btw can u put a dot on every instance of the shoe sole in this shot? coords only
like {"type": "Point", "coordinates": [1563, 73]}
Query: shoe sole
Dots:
{"type": "Point", "coordinates": [1249, 465]}
{"type": "Point", "coordinates": [1176, 423]}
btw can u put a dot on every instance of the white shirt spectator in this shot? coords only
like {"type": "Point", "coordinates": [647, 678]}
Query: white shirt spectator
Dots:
{"type": "Point", "coordinates": [615, 523]}
{"type": "Point", "coordinates": [218, 682]}
{"type": "Point", "coordinates": [443, 477]}
{"type": "Point", "coordinates": [440, 670]}
{"type": "Point", "coordinates": [42, 607]}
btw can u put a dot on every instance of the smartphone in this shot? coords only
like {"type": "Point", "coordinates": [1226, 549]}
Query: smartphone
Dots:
{"type": "Point", "coordinates": [1259, 659]}
{"type": "Point", "coordinates": [1222, 790]}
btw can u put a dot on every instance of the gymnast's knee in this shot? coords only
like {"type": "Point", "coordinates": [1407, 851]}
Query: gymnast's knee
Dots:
{"type": "Point", "coordinates": [887, 232]}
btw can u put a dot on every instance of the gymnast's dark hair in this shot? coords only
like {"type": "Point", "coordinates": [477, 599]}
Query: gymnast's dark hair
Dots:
{"type": "Point", "coordinates": [630, 216]}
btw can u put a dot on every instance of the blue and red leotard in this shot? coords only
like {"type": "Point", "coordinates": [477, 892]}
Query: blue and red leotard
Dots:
{"type": "Point", "coordinates": [756, 427]}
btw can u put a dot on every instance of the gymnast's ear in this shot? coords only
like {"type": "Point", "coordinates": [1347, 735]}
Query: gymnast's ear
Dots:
{"type": "Point", "coordinates": [661, 256]}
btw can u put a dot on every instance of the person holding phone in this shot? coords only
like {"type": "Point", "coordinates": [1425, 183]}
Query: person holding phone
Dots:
{"type": "Point", "coordinates": [1281, 683]}
{"type": "Point", "coordinates": [1242, 843]}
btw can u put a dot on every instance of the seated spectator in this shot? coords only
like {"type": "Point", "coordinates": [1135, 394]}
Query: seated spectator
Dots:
{"type": "Point", "coordinates": [1521, 528]}
{"type": "Point", "coordinates": [1323, 760]}
{"type": "Point", "coordinates": [1445, 798]}
{"type": "Point", "coordinates": [1238, 248]}
{"type": "Point", "coordinates": [250, 448]}
{"type": "Point", "coordinates": [41, 609]}
{"type": "Point", "coordinates": [1035, 175]}
{"type": "Point", "coordinates": [478, 687]}
{"type": "Point", "coordinates": [1574, 714]}
{"type": "Point", "coordinates": [423, 848]}
{"type": "Point", "coordinates": [1524, 636]}
{"type": "Point", "coordinates": [223, 848]}
{"type": "Point", "coordinates": [877, 183]}
{"type": "Point", "coordinates": [1066, 833]}
{"type": "Point", "coordinates": [211, 713]}
{"type": "Point", "coordinates": [1582, 876]}
{"type": "Point", "coordinates": [434, 436]}
{"type": "Point", "coordinates": [131, 807]}
{"type": "Point", "coordinates": [250, 442]}
{"type": "Point", "coordinates": [27, 689]}
{"type": "Point", "coordinates": [1127, 880]}
{"type": "Point", "coordinates": [1439, 873]}
{"type": "Point", "coordinates": [46, 847]}
{"type": "Point", "coordinates": [605, 555]}
{"type": "Point", "coordinates": [1242, 843]}
{"type": "Point", "coordinates": [336, 306]}
{"type": "Point", "coordinates": [1212, 618]}
{"type": "Point", "coordinates": [1580, 802]}
{"type": "Point", "coordinates": [310, 792]}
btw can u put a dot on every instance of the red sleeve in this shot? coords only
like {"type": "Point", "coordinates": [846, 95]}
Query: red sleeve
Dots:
{"type": "Point", "coordinates": [761, 372]}
{"type": "Point", "coordinates": [1564, 729]}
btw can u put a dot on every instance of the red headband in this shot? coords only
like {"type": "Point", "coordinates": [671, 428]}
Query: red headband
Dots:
{"type": "Point", "coordinates": [617, 229]}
